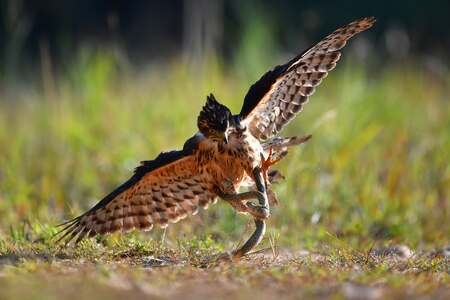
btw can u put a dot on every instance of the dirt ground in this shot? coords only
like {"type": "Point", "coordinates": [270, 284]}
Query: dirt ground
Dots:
{"type": "Point", "coordinates": [381, 274]}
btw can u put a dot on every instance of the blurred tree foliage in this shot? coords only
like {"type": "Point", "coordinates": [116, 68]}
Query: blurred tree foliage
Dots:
{"type": "Point", "coordinates": [33, 31]}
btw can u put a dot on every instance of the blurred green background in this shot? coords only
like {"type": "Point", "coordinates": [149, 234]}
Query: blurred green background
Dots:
{"type": "Point", "coordinates": [90, 88]}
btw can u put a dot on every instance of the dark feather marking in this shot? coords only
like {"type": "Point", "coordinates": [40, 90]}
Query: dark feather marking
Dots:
{"type": "Point", "coordinates": [263, 85]}
{"type": "Point", "coordinates": [73, 227]}
{"type": "Point", "coordinates": [66, 230]}
{"type": "Point", "coordinates": [160, 209]}
{"type": "Point", "coordinates": [260, 88]}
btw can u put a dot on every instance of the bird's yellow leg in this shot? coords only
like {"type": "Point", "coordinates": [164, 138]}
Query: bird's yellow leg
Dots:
{"type": "Point", "coordinates": [266, 163]}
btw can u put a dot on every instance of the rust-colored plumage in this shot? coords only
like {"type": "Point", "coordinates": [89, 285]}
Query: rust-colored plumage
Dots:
{"type": "Point", "coordinates": [228, 153]}
{"type": "Point", "coordinates": [162, 196]}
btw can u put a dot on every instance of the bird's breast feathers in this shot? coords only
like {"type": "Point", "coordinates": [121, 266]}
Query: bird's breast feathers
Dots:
{"type": "Point", "coordinates": [228, 165]}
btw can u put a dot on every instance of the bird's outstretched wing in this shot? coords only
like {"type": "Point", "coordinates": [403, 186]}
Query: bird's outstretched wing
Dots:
{"type": "Point", "coordinates": [280, 94]}
{"type": "Point", "coordinates": [163, 190]}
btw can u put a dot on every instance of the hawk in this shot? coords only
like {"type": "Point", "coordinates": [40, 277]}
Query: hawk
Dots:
{"type": "Point", "coordinates": [228, 152]}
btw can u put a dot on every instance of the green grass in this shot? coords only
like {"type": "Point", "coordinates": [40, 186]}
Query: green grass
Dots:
{"type": "Point", "coordinates": [376, 172]}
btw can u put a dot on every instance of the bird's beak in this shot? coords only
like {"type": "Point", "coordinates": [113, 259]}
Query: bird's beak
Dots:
{"type": "Point", "coordinates": [225, 137]}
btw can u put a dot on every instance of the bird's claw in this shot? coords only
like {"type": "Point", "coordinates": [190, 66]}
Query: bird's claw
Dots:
{"type": "Point", "coordinates": [266, 163]}
{"type": "Point", "coordinates": [258, 211]}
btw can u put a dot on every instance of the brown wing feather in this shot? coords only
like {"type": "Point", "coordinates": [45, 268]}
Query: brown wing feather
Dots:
{"type": "Point", "coordinates": [165, 195]}
{"type": "Point", "coordinates": [290, 90]}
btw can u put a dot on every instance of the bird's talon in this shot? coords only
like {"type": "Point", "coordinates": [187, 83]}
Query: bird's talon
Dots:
{"type": "Point", "coordinates": [259, 211]}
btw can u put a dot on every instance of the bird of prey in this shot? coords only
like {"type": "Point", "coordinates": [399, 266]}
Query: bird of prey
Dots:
{"type": "Point", "coordinates": [228, 152]}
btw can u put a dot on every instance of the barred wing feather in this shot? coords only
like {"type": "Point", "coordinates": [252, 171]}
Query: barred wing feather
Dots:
{"type": "Point", "coordinates": [280, 94]}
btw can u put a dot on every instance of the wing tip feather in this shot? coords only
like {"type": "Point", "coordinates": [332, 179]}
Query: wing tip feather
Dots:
{"type": "Point", "coordinates": [260, 89]}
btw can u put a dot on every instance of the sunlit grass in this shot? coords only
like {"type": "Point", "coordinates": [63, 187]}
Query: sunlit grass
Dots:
{"type": "Point", "coordinates": [375, 172]}
{"type": "Point", "coordinates": [376, 169]}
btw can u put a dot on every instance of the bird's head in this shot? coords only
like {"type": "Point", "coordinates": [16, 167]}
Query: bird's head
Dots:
{"type": "Point", "coordinates": [214, 120]}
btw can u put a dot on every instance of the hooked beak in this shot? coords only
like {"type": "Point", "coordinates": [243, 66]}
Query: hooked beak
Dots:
{"type": "Point", "coordinates": [225, 137]}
